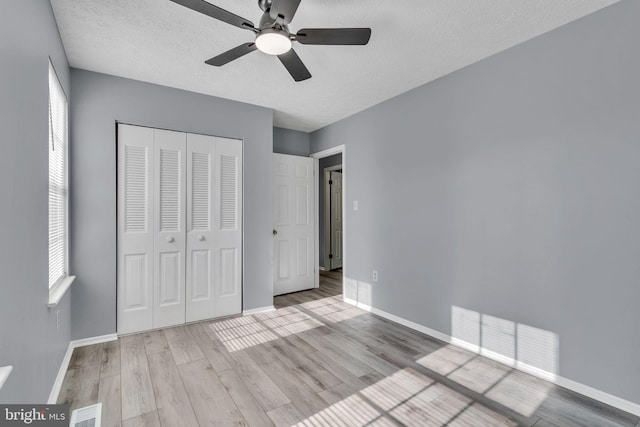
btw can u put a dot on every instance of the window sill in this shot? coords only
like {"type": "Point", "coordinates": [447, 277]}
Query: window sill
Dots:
{"type": "Point", "coordinates": [4, 374]}
{"type": "Point", "coordinates": [57, 292]}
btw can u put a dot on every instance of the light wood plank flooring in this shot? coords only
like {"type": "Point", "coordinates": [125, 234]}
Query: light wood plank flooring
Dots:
{"type": "Point", "coordinates": [314, 361]}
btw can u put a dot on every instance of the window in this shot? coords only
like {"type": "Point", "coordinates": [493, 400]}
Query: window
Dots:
{"type": "Point", "coordinates": [58, 194]}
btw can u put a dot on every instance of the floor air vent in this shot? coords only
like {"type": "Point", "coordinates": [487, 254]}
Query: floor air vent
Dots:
{"type": "Point", "coordinates": [89, 416]}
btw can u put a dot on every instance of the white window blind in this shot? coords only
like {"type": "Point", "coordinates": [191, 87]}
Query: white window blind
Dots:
{"type": "Point", "coordinates": [57, 180]}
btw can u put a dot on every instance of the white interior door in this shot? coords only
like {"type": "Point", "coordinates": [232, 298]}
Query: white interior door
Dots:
{"type": "Point", "coordinates": [135, 229]}
{"type": "Point", "coordinates": [169, 237]}
{"type": "Point", "coordinates": [336, 220]}
{"type": "Point", "coordinates": [293, 240]}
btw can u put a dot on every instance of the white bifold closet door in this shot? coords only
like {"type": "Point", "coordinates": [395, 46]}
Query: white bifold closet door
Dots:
{"type": "Point", "coordinates": [169, 227]}
{"type": "Point", "coordinates": [179, 228]}
{"type": "Point", "coordinates": [135, 229]}
{"type": "Point", "coordinates": [214, 230]}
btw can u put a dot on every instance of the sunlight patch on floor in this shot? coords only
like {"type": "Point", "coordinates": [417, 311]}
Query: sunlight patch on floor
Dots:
{"type": "Point", "coordinates": [480, 374]}
{"type": "Point", "coordinates": [328, 307]}
{"type": "Point", "coordinates": [395, 389]}
{"type": "Point", "coordinates": [446, 359]}
{"type": "Point", "coordinates": [297, 327]}
{"type": "Point", "coordinates": [243, 332]}
{"type": "Point", "coordinates": [344, 314]}
{"type": "Point", "coordinates": [479, 415]}
{"type": "Point", "coordinates": [244, 335]}
{"type": "Point", "coordinates": [234, 322]}
{"type": "Point", "coordinates": [406, 397]}
{"type": "Point", "coordinates": [434, 406]}
{"type": "Point", "coordinates": [520, 392]}
{"type": "Point", "coordinates": [332, 309]}
{"type": "Point", "coordinates": [286, 319]}
{"type": "Point", "coordinates": [352, 411]}
{"type": "Point", "coordinates": [321, 302]}
{"type": "Point", "coordinates": [512, 344]}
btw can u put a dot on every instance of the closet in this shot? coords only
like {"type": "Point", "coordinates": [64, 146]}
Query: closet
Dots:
{"type": "Point", "coordinates": [179, 228]}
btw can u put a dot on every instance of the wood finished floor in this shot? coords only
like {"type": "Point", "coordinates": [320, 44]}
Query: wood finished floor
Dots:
{"type": "Point", "coordinates": [314, 361]}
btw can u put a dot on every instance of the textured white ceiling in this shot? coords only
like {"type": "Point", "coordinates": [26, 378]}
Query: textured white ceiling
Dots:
{"type": "Point", "coordinates": [413, 42]}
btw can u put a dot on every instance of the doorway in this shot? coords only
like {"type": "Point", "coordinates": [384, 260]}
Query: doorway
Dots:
{"type": "Point", "coordinates": [330, 211]}
{"type": "Point", "coordinates": [331, 225]}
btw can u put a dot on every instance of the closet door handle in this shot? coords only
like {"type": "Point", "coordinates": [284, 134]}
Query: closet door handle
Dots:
{"type": "Point", "coordinates": [201, 238]}
{"type": "Point", "coordinates": [170, 239]}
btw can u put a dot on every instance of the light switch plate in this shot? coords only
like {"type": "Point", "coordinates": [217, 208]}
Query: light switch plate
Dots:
{"type": "Point", "coordinates": [355, 205]}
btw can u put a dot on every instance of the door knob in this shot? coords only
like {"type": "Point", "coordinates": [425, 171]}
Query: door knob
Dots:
{"type": "Point", "coordinates": [275, 232]}
{"type": "Point", "coordinates": [201, 238]}
{"type": "Point", "coordinates": [170, 239]}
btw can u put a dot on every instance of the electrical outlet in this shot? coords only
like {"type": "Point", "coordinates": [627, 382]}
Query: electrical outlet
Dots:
{"type": "Point", "coordinates": [375, 275]}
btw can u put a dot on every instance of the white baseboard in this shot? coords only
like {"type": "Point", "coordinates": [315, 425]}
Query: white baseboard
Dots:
{"type": "Point", "coordinates": [412, 325]}
{"type": "Point", "coordinates": [609, 399]}
{"type": "Point", "coordinates": [4, 374]}
{"type": "Point", "coordinates": [258, 310]}
{"type": "Point", "coordinates": [601, 396]}
{"type": "Point", "coordinates": [57, 385]}
{"type": "Point", "coordinates": [350, 301]}
{"type": "Point", "coordinates": [94, 340]}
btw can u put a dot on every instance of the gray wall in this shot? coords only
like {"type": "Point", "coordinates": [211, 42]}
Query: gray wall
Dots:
{"type": "Point", "coordinates": [286, 141]}
{"type": "Point", "coordinates": [514, 193]}
{"type": "Point", "coordinates": [101, 100]}
{"type": "Point", "coordinates": [325, 162]}
{"type": "Point", "coordinates": [29, 337]}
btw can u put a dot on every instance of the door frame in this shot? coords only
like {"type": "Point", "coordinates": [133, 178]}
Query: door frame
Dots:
{"type": "Point", "coordinates": [339, 149]}
{"type": "Point", "coordinates": [327, 215]}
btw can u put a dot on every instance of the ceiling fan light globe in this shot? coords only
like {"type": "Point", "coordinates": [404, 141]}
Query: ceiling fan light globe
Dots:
{"type": "Point", "coordinates": [273, 42]}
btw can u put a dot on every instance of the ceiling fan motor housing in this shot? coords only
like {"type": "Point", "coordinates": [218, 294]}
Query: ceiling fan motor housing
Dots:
{"type": "Point", "coordinates": [265, 5]}
{"type": "Point", "coordinates": [266, 21]}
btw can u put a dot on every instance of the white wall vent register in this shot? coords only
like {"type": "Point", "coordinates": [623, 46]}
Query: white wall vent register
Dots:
{"type": "Point", "coordinates": [89, 416]}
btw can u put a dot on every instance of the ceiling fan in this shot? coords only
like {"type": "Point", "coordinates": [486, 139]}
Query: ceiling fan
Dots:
{"type": "Point", "coordinates": [273, 36]}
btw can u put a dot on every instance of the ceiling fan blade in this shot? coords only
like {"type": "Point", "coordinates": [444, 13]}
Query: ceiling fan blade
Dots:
{"type": "Point", "coordinates": [217, 13]}
{"type": "Point", "coordinates": [294, 65]}
{"type": "Point", "coordinates": [334, 36]}
{"type": "Point", "coordinates": [284, 8]}
{"type": "Point", "coordinates": [231, 55]}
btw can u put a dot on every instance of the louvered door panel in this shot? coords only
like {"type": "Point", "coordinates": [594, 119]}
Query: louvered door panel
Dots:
{"type": "Point", "coordinates": [169, 220]}
{"type": "Point", "coordinates": [228, 193]}
{"type": "Point", "coordinates": [136, 167]}
{"type": "Point", "coordinates": [228, 232]}
{"type": "Point", "coordinates": [200, 180]}
{"type": "Point", "coordinates": [135, 229]}
{"type": "Point", "coordinates": [170, 189]}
